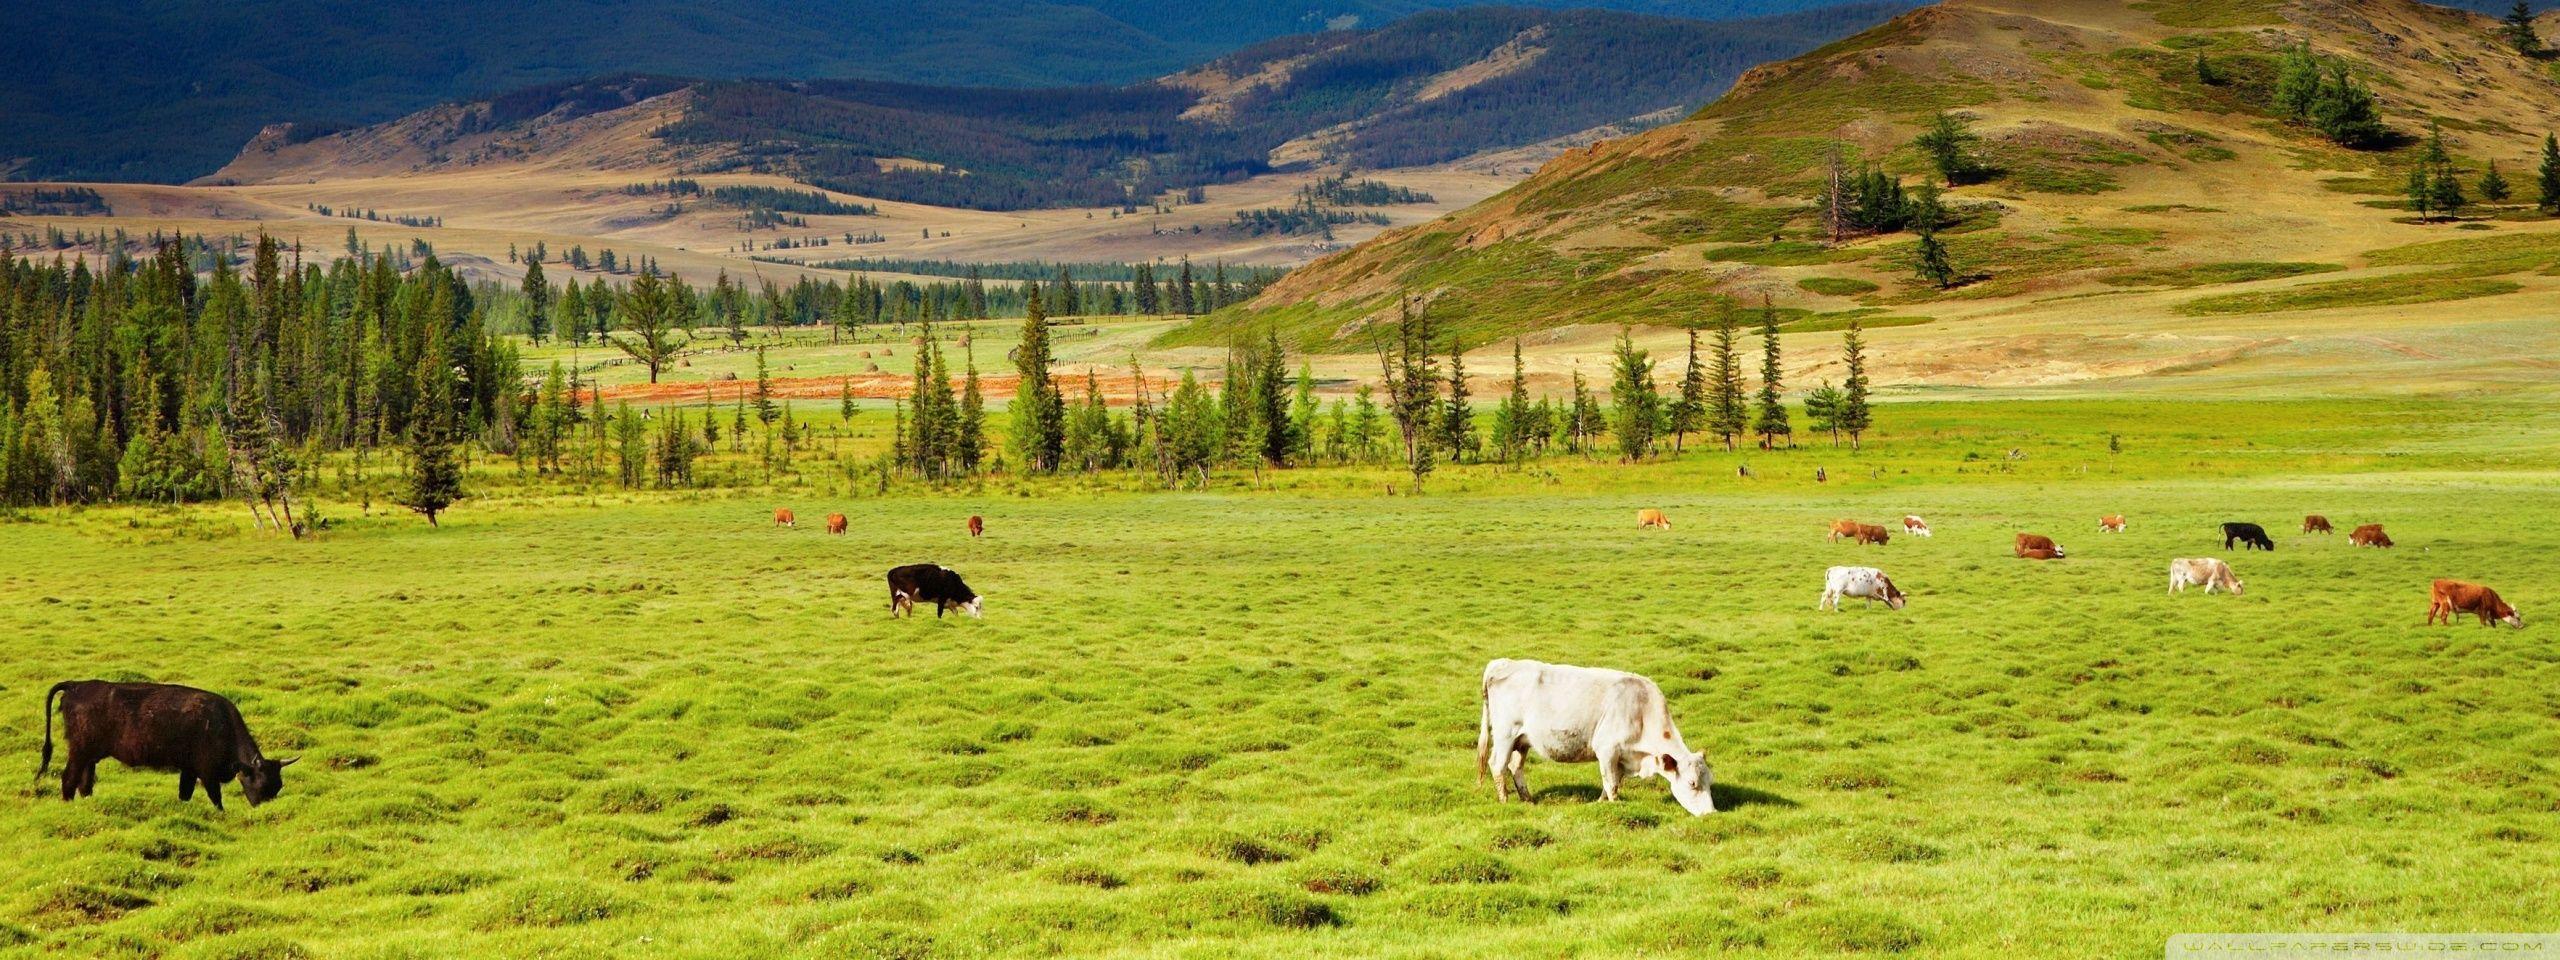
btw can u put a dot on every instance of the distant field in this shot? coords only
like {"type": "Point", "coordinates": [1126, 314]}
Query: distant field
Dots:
{"type": "Point", "coordinates": [1239, 723]}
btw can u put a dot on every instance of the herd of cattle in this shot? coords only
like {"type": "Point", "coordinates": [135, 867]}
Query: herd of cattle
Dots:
{"type": "Point", "coordinates": [1565, 714]}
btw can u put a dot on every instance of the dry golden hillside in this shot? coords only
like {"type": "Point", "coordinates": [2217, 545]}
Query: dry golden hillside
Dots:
{"type": "Point", "coordinates": [2143, 218]}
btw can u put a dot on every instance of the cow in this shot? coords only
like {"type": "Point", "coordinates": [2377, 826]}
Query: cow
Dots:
{"type": "Point", "coordinates": [1915, 526]}
{"type": "Point", "coordinates": [932, 583]}
{"type": "Point", "coordinates": [782, 518]}
{"type": "Point", "coordinates": [2449, 597]}
{"type": "Point", "coordinates": [2111, 523]}
{"type": "Point", "coordinates": [157, 726]}
{"type": "Point", "coordinates": [2316, 523]}
{"type": "Point", "coordinates": [1584, 715]}
{"type": "Point", "coordinates": [2369, 535]}
{"type": "Point", "coordinates": [1649, 518]}
{"type": "Point", "coordinates": [978, 526]}
{"type": "Point", "coordinates": [1870, 533]}
{"type": "Point", "coordinates": [2030, 543]}
{"type": "Point", "coordinates": [835, 523]}
{"type": "Point", "coordinates": [2248, 535]}
{"type": "Point", "coordinates": [1843, 530]}
{"type": "Point", "coordinates": [2040, 553]}
{"type": "Point", "coordinates": [2208, 572]}
{"type": "Point", "coordinates": [1865, 583]}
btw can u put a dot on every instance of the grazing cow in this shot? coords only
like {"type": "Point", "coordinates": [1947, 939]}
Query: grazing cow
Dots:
{"type": "Point", "coordinates": [978, 524]}
{"type": "Point", "coordinates": [1583, 715]}
{"type": "Point", "coordinates": [2030, 543]}
{"type": "Point", "coordinates": [1865, 583]}
{"type": "Point", "coordinates": [1649, 518]}
{"type": "Point", "coordinates": [1843, 530]}
{"type": "Point", "coordinates": [1870, 533]}
{"type": "Point", "coordinates": [835, 523]}
{"type": "Point", "coordinates": [2369, 535]}
{"type": "Point", "coordinates": [782, 518]}
{"type": "Point", "coordinates": [2112, 523]}
{"type": "Point", "coordinates": [2316, 523]}
{"type": "Point", "coordinates": [156, 726]}
{"type": "Point", "coordinates": [2040, 553]}
{"type": "Point", "coordinates": [2248, 535]}
{"type": "Point", "coordinates": [2454, 596]}
{"type": "Point", "coordinates": [2208, 572]}
{"type": "Point", "coordinates": [1915, 526]}
{"type": "Point", "coordinates": [932, 583]}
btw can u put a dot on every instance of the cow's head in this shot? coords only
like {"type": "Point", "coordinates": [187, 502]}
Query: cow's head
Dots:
{"type": "Point", "coordinates": [1893, 599]}
{"type": "Point", "coordinates": [975, 608]}
{"type": "Point", "coordinates": [2235, 586]}
{"type": "Point", "coordinates": [262, 782]}
{"type": "Point", "coordinates": [1692, 782]}
{"type": "Point", "coordinates": [2508, 615]}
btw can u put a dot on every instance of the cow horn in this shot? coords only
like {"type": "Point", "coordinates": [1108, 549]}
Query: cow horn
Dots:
{"type": "Point", "coordinates": [289, 761]}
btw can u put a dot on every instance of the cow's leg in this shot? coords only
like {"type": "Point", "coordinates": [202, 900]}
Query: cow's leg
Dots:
{"type": "Point", "coordinates": [186, 786]}
{"type": "Point", "coordinates": [1516, 764]}
{"type": "Point", "coordinates": [89, 778]}
{"type": "Point", "coordinates": [71, 767]}
{"type": "Point", "coordinates": [213, 792]}
{"type": "Point", "coordinates": [1610, 775]}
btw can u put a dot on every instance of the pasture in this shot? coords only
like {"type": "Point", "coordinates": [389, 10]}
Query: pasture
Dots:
{"type": "Point", "coordinates": [1240, 723]}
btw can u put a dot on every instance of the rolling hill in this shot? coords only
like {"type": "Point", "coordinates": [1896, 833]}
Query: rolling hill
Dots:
{"type": "Point", "coordinates": [2134, 216]}
{"type": "Point", "coordinates": [1428, 89]}
{"type": "Point", "coordinates": [219, 73]}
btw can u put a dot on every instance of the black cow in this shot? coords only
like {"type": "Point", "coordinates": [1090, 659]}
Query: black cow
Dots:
{"type": "Point", "coordinates": [2247, 534]}
{"type": "Point", "coordinates": [930, 582]}
{"type": "Point", "coordinates": [156, 726]}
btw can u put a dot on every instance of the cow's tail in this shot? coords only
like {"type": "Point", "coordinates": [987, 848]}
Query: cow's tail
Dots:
{"type": "Point", "coordinates": [47, 762]}
{"type": "Point", "coordinates": [1484, 731]}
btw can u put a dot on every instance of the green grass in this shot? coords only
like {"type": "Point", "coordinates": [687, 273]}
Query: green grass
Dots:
{"type": "Point", "coordinates": [2399, 290]}
{"type": "Point", "coordinates": [2214, 274]}
{"type": "Point", "coordinates": [1836, 286]}
{"type": "Point", "coordinates": [1239, 723]}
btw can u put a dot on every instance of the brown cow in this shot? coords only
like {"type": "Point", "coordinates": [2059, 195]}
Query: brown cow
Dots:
{"type": "Point", "coordinates": [2316, 523]}
{"type": "Point", "coordinates": [835, 523]}
{"type": "Point", "coordinates": [1843, 530]}
{"type": "Point", "coordinates": [156, 726]}
{"type": "Point", "coordinates": [782, 518]}
{"type": "Point", "coordinates": [1915, 526]}
{"type": "Point", "coordinates": [2112, 523]}
{"type": "Point", "coordinates": [1649, 518]}
{"type": "Point", "coordinates": [977, 526]}
{"type": "Point", "coordinates": [2369, 535]}
{"type": "Point", "coordinates": [2028, 542]}
{"type": "Point", "coordinates": [2451, 596]}
{"type": "Point", "coordinates": [1870, 533]}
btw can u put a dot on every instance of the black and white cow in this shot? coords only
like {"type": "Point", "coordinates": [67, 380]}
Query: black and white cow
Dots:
{"type": "Point", "coordinates": [931, 583]}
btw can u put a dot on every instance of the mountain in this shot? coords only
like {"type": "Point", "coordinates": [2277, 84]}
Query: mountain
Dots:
{"type": "Point", "coordinates": [2135, 166]}
{"type": "Point", "coordinates": [164, 90]}
{"type": "Point", "coordinates": [1430, 88]}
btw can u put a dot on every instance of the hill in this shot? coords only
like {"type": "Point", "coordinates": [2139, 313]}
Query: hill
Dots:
{"type": "Point", "coordinates": [219, 73]}
{"type": "Point", "coordinates": [1431, 88]}
{"type": "Point", "coordinates": [2123, 195]}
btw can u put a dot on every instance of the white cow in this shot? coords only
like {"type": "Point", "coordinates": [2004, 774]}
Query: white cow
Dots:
{"type": "Point", "coordinates": [1584, 715]}
{"type": "Point", "coordinates": [1866, 583]}
{"type": "Point", "coordinates": [1915, 526]}
{"type": "Point", "coordinates": [2209, 572]}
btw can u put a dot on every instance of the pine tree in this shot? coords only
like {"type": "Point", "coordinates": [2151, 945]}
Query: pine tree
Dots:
{"type": "Point", "coordinates": [1727, 415]}
{"type": "Point", "coordinates": [2520, 32]}
{"type": "Point", "coordinates": [766, 410]}
{"type": "Point", "coordinates": [1457, 414]}
{"type": "Point", "coordinates": [1637, 408]}
{"type": "Point", "coordinates": [537, 299]}
{"type": "Point", "coordinates": [435, 472]}
{"type": "Point", "coordinates": [1511, 418]}
{"type": "Point", "coordinates": [1583, 421]}
{"type": "Point", "coordinates": [649, 320]}
{"type": "Point", "coordinates": [972, 440]}
{"type": "Point", "coordinates": [1771, 421]}
{"type": "Point", "coordinates": [2493, 185]}
{"type": "Point", "coordinates": [1689, 412]}
{"type": "Point", "coordinates": [1302, 416]}
{"type": "Point", "coordinates": [2449, 198]}
{"type": "Point", "coordinates": [1855, 413]}
{"type": "Point", "coordinates": [1822, 410]}
{"type": "Point", "coordinates": [1368, 428]}
{"type": "Point", "coordinates": [2298, 82]}
{"type": "Point", "coordinates": [1270, 401]}
{"type": "Point", "coordinates": [2549, 176]}
{"type": "Point", "coordinates": [2345, 110]}
{"type": "Point", "coordinates": [2421, 191]}
{"type": "Point", "coordinates": [1039, 413]}
{"type": "Point", "coordinates": [1948, 144]}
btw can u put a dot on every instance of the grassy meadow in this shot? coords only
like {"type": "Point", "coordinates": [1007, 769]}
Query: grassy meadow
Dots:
{"type": "Point", "coordinates": [1240, 722]}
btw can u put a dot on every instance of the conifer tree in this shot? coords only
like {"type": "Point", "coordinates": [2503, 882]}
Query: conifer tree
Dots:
{"type": "Point", "coordinates": [1302, 416]}
{"type": "Point", "coordinates": [2421, 191]}
{"type": "Point", "coordinates": [766, 411]}
{"type": "Point", "coordinates": [1270, 402]}
{"type": "Point", "coordinates": [972, 440]}
{"type": "Point", "coordinates": [1771, 420]}
{"type": "Point", "coordinates": [2493, 185]}
{"type": "Point", "coordinates": [1039, 414]}
{"type": "Point", "coordinates": [2520, 32]}
{"type": "Point", "coordinates": [1511, 419]}
{"type": "Point", "coordinates": [435, 472]}
{"type": "Point", "coordinates": [1728, 417]}
{"type": "Point", "coordinates": [1689, 411]}
{"type": "Point", "coordinates": [537, 300]}
{"type": "Point", "coordinates": [1637, 407]}
{"type": "Point", "coordinates": [1368, 428]}
{"type": "Point", "coordinates": [1930, 258]}
{"type": "Point", "coordinates": [1855, 413]}
{"type": "Point", "coordinates": [1948, 143]}
{"type": "Point", "coordinates": [1457, 414]}
{"type": "Point", "coordinates": [1583, 421]}
{"type": "Point", "coordinates": [2449, 198]}
{"type": "Point", "coordinates": [649, 322]}
{"type": "Point", "coordinates": [2549, 175]}
{"type": "Point", "coordinates": [2298, 81]}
